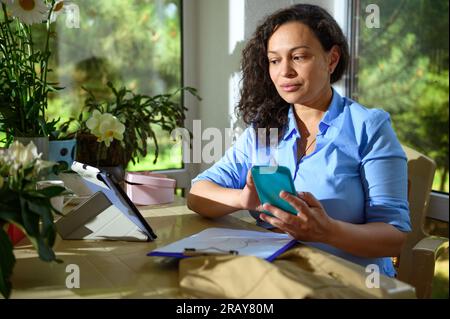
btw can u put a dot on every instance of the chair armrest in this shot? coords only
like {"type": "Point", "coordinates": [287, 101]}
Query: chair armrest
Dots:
{"type": "Point", "coordinates": [425, 253]}
{"type": "Point", "coordinates": [431, 245]}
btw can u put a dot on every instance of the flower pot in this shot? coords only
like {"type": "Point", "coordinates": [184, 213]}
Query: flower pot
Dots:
{"type": "Point", "coordinates": [96, 154]}
{"type": "Point", "coordinates": [63, 152]}
{"type": "Point", "coordinates": [41, 143]}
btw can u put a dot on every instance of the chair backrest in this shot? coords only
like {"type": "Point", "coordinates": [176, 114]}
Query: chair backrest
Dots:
{"type": "Point", "coordinates": [421, 171]}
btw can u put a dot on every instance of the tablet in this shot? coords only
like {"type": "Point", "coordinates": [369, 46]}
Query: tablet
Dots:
{"type": "Point", "coordinates": [100, 181]}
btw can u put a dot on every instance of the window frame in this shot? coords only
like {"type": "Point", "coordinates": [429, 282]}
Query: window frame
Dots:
{"type": "Point", "coordinates": [188, 9]}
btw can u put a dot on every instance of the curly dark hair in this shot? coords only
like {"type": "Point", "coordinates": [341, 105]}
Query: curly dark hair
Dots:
{"type": "Point", "coordinates": [260, 104]}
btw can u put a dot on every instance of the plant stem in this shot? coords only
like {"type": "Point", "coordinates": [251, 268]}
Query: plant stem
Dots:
{"type": "Point", "coordinates": [3, 48]}
{"type": "Point", "coordinates": [47, 56]}
{"type": "Point", "coordinates": [7, 48]}
{"type": "Point", "coordinates": [12, 45]}
{"type": "Point", "coordinates": [99, 152]}
{"type": "Point", "coordinates": [6, 32]}
{"type": "Point", "coordinates": [26, 48]}
{"type": "Point", "coordinates": [23, 100]}
{"type": "Point", "coordinates": [31, 52]}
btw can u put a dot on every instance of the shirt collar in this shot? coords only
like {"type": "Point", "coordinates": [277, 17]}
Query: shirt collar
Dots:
{"type": "Point", "coordinates": [334, 109]}
{"type": "Point", "coordinates": [292, 128]}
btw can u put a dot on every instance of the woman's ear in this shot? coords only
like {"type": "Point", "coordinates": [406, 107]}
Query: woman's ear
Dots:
{"type": "Point", "coordinates": [333, 58]}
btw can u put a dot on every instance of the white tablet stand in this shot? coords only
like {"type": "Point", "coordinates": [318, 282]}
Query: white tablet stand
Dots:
{"type": "Point", "coordinates": [108, 214]}
{"type": "Point", "coordinates": [97, 218]}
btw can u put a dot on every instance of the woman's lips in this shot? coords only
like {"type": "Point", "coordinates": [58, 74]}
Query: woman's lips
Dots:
{"type": "Point", "coordinates": [290, 87]}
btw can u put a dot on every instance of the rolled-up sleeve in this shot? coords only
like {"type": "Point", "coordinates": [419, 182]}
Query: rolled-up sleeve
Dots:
{"type": "Point", "coordinates": [384, 174]}
{"type": "Point", "coordinates": [231, 170]}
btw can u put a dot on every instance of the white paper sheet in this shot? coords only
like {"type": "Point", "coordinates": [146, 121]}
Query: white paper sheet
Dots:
{"type": "Point", "coordinates": [266, 245]}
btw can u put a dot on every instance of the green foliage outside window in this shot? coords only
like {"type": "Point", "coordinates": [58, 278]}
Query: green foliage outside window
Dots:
{"type": "Point", "coordinates": [403, 68]}
{"type": "Point", "coordinates": [131, 43]}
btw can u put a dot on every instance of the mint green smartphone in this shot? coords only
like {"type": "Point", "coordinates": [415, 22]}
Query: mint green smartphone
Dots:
{"type": "Point", "coordinates": [269, 182]}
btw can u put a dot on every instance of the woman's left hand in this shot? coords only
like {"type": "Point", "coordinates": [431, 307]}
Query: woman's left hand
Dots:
{"type": "Point", "coordinates": [311, 223]}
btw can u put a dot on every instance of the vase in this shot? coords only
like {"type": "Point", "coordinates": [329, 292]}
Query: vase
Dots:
{"type": "Point", "coordinates": [96, 154]}
{"type": "Point", "coordinates": [63, 152]}
{"type": "Point", "coordinates": [41, 142]}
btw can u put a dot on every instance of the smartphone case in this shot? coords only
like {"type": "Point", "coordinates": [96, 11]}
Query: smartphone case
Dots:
{"type": "Point", "coordinates": [269, 182]}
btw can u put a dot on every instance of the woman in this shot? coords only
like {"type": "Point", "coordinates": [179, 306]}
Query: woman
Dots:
{"type": "Point", "coordinates": [347, 165]}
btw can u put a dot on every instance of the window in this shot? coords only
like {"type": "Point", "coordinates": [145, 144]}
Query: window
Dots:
{"type": "Point", "coordinates": [401, 65]}
{"type": "Point", "coordinates": [132, 43]}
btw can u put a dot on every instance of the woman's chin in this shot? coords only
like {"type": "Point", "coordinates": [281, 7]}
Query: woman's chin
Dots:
{"type": "Point", "coordinates": [291, 99]}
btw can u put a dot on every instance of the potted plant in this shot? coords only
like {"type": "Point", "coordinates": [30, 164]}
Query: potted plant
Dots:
{"type": "Point", "coordinates": [24, 206]}
{"type": "Point", "coordinates": [111, 133]}
{"type": "Point", "coordinates": [24, 82]}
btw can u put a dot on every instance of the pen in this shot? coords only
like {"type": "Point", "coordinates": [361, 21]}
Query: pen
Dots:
{"type": "Point", "coordinates": [195, 252]}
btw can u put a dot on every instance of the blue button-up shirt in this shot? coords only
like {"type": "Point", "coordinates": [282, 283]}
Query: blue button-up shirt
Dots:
{"type": "Point", "coordinates": [358, 170]}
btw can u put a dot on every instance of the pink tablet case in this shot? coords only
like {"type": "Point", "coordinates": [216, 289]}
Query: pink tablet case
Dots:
{"type": "Point", "coordinates": [149, 188]}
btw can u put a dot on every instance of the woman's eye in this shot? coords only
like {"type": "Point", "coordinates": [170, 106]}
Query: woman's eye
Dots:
{"type": "Point", "coordinates": [299, 58]}
{"type": "Point", "coordinates": [273, 61]}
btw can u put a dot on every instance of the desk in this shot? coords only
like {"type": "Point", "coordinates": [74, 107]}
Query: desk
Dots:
{"type": "Point", "coordinates": [114, 269]}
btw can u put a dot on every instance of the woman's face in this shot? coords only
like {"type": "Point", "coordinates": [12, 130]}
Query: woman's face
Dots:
{"type": "Point", "coordinates": [299, 67]}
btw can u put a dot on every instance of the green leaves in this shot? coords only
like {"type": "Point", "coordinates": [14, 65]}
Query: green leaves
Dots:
{"type": "Point", "coordinates": [23, 81]}
{"type": "Point", "coordinates": [31, 212]}
{"type": "Point", "coordinates": [6, 263]}
{"type": "Point", "coordinates": [403, 69]}
{"type": "Point", "coordinates": [51, 191]}
{"type": "Point", "coordinates": [138, 112]}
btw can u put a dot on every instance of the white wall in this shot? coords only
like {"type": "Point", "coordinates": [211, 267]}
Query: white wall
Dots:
{"type": "Point", "coordinates": [214, 34]}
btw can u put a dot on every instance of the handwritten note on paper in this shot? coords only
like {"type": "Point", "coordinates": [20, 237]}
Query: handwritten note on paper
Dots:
{"type": "Point", "coordinates": [265, 245]}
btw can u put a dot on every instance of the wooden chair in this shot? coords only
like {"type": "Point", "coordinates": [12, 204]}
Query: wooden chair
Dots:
{"type": "Point", "coordinates": [417, 259]}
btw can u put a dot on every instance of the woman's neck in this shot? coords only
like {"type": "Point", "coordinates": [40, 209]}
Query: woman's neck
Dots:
{"type": "Point", "coordinates": [314, 111]}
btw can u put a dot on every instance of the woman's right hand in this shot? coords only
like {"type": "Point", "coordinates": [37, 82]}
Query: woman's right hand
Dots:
{"type": "Point", "coordinates": [249, 197]}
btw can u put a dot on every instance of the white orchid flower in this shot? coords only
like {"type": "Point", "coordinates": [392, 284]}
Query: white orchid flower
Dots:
{"type": "Point", "coordinates": [19, 157]}
{"type": "Point", "coordinates": [110, 128]}
{"type": "Point", "coordinates": [42, 165]}
{"type": "Point", "coordinates": [93, 122]}
{"type": "Point", "coordinates": [23, 155]}
{"type": "Point", "coordinates": [20, 163]}
{"type": "Point", "coordinates": [4, 156]}
{"type": "Point", "coordinates": [105, 127]}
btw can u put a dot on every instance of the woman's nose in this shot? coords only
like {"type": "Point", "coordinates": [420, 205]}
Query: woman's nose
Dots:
{"type": "Point", "coordinates": [287, 70]}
